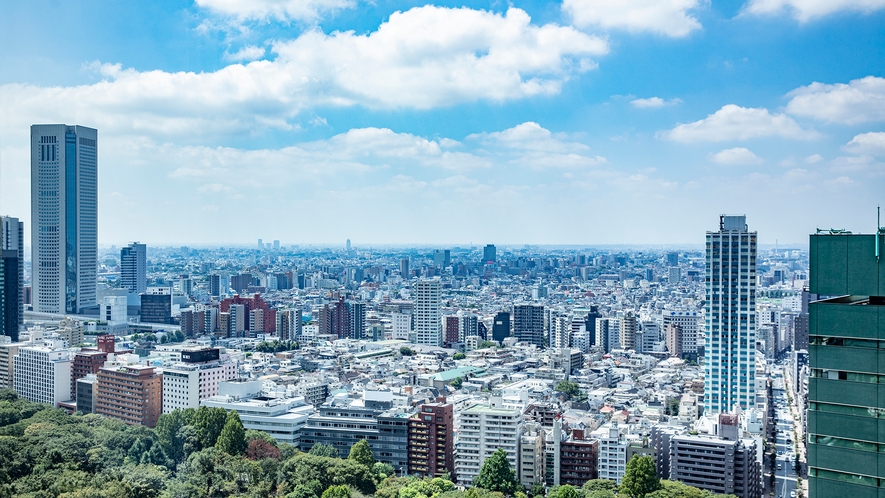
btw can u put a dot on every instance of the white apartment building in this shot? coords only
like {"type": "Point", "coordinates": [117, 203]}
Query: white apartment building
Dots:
{"type": "Point", "coordinates": [42, 373]}
{"type": "Point", "coordinates": [482, 430]}
{"type": "Point", "coordinates": [532, 459]}
{"type": "Point", "coordinates": [612, 460]}
{"type": "Point", "coordinates": [195, 378]}
{"type": "Point", "coordinates": [281, 418]}
{"type": "Point", "coordinates": [428, 317]}
{"type": "Point", "coordinates": [402, 325]}
{"type": "Point", "coordinates": [690, 322]}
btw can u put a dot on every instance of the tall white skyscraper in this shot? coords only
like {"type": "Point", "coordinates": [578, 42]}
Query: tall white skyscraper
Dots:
{"type": "Point", "coordinates": [428, 320]}
{"type": "Point", "coordinates": [133, 267]}
{"type": "Point", "coordinates": [730, 339]}
{"type": "Point", "coordinates": [64, 217]}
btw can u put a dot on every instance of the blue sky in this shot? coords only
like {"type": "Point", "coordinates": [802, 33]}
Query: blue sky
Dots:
{"type": "Point", "coordinates": [574, 122]}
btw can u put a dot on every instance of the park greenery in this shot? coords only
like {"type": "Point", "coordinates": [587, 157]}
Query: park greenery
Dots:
{"type": "Point", "coordinates": [206, 452]}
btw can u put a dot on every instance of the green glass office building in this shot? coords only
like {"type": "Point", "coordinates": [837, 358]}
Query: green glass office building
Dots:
{"type": "Point", "coordinates": [846, 388]}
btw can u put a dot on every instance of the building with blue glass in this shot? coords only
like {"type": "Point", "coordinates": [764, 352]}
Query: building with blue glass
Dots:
{"type": "Point", "coordinates": [64, 217]}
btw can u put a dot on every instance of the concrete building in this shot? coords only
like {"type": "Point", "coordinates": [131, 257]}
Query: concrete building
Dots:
{"type": "Point", "coordinates": [156, 305]}
{"type": "Point", "coordinates": [578, 459]}
{"type": "Point", "coordinates": [428, 325]}
{"type": "Point", "coordinates": [196, 377]}
{"type": "Point", "coordinates": [133, 268]}
{"type": "Point", "coordinates": [501, 326]}
{"type": "Point", "coordinates": [717, 465]}
{"type": "Point", "coordinates": [845, 408]}
{"type": "Point", "coordinates": [64, 217]}
{"type": "Point", "coordinates": [612, 461]}
{"type": "Point", "coordinates": [627, 332]}
{"type": "Point", "coordinates": [528, 323]}
{"type": "Point", "coordinates": [431, 441]}
{"type": "Point", "coordinates": [690, 323]}
{"type": "Point", "coordinates": [730, 341]}
{"type": "Point", "coordinates": [8, 350]}
{"type": "Point", "coordinates": [114, 309]}
{"type": "Point", "coordinates": [531, 455]}
{"type": "Point", "coordinates": [489, 254]}
{"type": "Point", "coordinates": [86, 394]}
{"type": "Point", "coordinates": [42, 373]}
{"type": "Point", "coordinates": [86, 363]}
{"type": "Point", "coordinates": [289, 324]}
{"type": "Point", "coordinates": [482, 430]}
{"type": "Point", "coordinates": [12, 276]}
{"type": "Point", "coordinates": [131, 393]}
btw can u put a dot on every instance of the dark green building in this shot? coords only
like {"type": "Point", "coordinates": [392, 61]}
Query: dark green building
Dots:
{"type": "Point", "coordinates": [846, 388]}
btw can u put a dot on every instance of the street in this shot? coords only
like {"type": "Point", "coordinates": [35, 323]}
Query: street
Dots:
{"type": "Point", "coordinates": [785, 470]}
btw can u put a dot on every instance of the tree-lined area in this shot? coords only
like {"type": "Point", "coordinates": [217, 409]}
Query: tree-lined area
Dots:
{"type": "Point", "coordinates": [206, 452]}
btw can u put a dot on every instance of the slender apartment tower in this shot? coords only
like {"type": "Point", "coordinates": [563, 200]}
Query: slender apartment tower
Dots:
{"type": "Point", "coordinates": [730, 342]}
{"type": "Point", "coordinates": [64, 217]}
{"type": "Point", "coordinates": [428, 316]}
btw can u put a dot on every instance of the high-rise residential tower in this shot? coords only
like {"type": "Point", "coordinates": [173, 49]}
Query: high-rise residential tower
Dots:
{"type": "Point", "coordinates": [133, 267]}
{"type": "Point", "coordinates": [528, 323]}
{"type": "Point", "coordinates": [730, 339]}
{"type": "Point", "coordinates": [847, 366]}
{"type": "Point", "coordinates": [428, 321]}
{"type": "Point", "coordinates": [64, 217]}
{"type": "Point", "coordinates": [12, 276]}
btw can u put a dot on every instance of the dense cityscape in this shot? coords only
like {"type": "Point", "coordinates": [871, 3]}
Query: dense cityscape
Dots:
{"type": "Point", "coordinates": [566, 364]}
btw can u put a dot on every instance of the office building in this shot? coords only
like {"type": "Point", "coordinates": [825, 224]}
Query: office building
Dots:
{"type": "Point", "coordinates": [12, 276]}
{"type": "Point", "coordinates": [847, 365]}
{"type": "Point", "coordinates": [730, 340]}
{"type": "Point", "coordinates": [64, 217]}
{"type": "Point", "coordinates": [42, 373]}
{"type": "Point", "coordinates": [672, 259]}
{"type": "Point", "coordinates": [717, 465]}
{"type": "Point", "coordinates": [196, 377]}
{"type": "Point", "coordinates": [131, 393]}
{"type": "Point", "coordinates": [528, 323]}
{"type": "Point", "coordinates": [133, 267]}
{"type": "Point", "coordinates": [215, 285]}
{"type": "Point", "coordinates": [489, 254]}
{"type": "Point", "coordinates": [442, 258]}
{"type": "Point", "coordinates": [404, 268]}
{"type": "Point", "coordinates": [114, 309]}
{"type": "Point", "coordinates": [483, 429]}
{"type": "Point", "coordinates": [501, 326]}
{"type": "Point", "coordinates": [156, 305]}
{"type": "Point", "coordinates": [356, 311]}
{"type": "Point", "coordinates": [428, 324]}
{"type": "Point", "coordinates": [85, 392]}
{"type": "Point", "coordinates": [431, 441]}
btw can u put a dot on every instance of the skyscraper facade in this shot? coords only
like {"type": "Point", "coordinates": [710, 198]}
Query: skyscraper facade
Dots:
{"type": "Point", "coordinates": [428, 322]}
{"type": "Point", "coordinates": [64, 217]}
{"type": "Point", "coordinates": [133, 267]}
{"type": "Point", "coordinates": [730, 338]}
{"type": "Point", "coordinates": [12, 276]}
{"type": "Point", "coordinates": [489, 254]}
{"type": "Point", "coordinates": [847, 366]}
{"type": "Point", "coordinates": [528, 323]}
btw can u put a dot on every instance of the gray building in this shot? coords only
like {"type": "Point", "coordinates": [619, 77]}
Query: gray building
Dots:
{"type": "Point", "coordinates": [717, 465]}
{"type": "Point", "coordinates": [133, 267]}
{"type": "Point", "coordinates": [528, 323]}
{"type": "Point", "coordinates": [86, 394]}
{"type": "Point", "coordinates": [12, 278]}
{"type": "Point", "coordinates": [64, 217]}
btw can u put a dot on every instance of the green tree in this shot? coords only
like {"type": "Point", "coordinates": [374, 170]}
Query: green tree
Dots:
{"type": "Point", "coordinates": [675, 489]}
{"type": "Point", "coordinates": [538, 490]}
{"type": "Point", "coordinates": [232, 439]}
{"type": "Point", "coordinates": [168, 432]}
{"type": "Point", "coordinates": [406, 351]}
{"type": "Point", "coordinates": [673, 406]}
{"type": "Point", "coordinates": [325, 450]}
{"type": "Point", "coordinates": [457, 383]}
{"type": "Point", "coordinates": [382, 470]}
{"type": "Point", "coordinates": [600, 485]}
{"type": "Point", "coordinates": [564, 491]}
{"type": "Point", "coordinates": [361, 453]}
{"type": "Point", "coordinates": [208, 422]}
{"type": "Point", "coordinates": [568, 387]}
{"type": "Point", "coordinates": [601, 493]}
{"type": "Point", "coordinates": [640, 478]}
{"type": "Point", "coordinates": [486, 344]}
{"type": "Point", "coordinates": [340, 491]}
{"type": "Point", "coordinates": [496, 474]}
{"type": "Point", "coordinates": [459, 356]}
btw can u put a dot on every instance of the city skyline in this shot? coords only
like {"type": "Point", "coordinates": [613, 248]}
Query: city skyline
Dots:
{"type": "Point", "coordinates": [536, 122]}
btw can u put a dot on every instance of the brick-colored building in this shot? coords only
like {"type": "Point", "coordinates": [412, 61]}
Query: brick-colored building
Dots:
{"type": "Point", "coordinates": [578, 459]}
{"type": "Point", "coordinates": [256, 302]}
{"type": "Point", "coordinates": [130, 393]}
{"type": "Point", "coordinates": [85, 363]}
{"type": "Point", "coordinates": [431, 440]}
{"type": "Point", "coordinates": [451, 329]}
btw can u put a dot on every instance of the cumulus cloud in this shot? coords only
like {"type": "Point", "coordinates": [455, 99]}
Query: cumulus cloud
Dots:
{"type": "Point", "coordinates": [859, 101]}
{"type": "Point", "coordinates": [280, 10]}
{"type": "Point", "coordinates": [872, 143]}
{"type": "Point", "coordinates": [653, 103]}
{"type": "Point", "coordinates": [530, 144]}
{"type": "Point", "coordinates": [807, 10]}
{"type": "Point", "coordinates": [733, 122]}
{"type": "Point", "coordinates": [665, 17]}
{"type": "Point", "coordinates": [424, 58]}
{"type": "Point", "coordinates": [814, 158]}
{"type": "Point", "coordinates": [736, 155]}
{"type": "Point", "coordinates": [247, 53]}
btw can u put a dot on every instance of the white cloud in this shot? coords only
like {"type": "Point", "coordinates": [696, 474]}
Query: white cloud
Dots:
{"type": "Point", "coordinates": [653, 102]}
{"type": "Point", "coordinates": [424, 58]}
{"type": "Point", "coordinates": [531, 145]}
{"type": "Point", "coordinates": [859, 101]}
{"type": "Point", "coordinates": [665, 17]}
{"type": "Point", "coordinates": [872, 143]}
{"type": "Point", "coordinates": [280, 10]}
{"type": "Point", "coordinates": [247, 53]}
{"type": "Point", "coordinates": [814, 158]}
{"type": "Point", "coordinates": [736, 155]}
{"type": "Point", "coordinates": [733, 122]}
{"type": "Point", "coordinates": [806, 10]}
